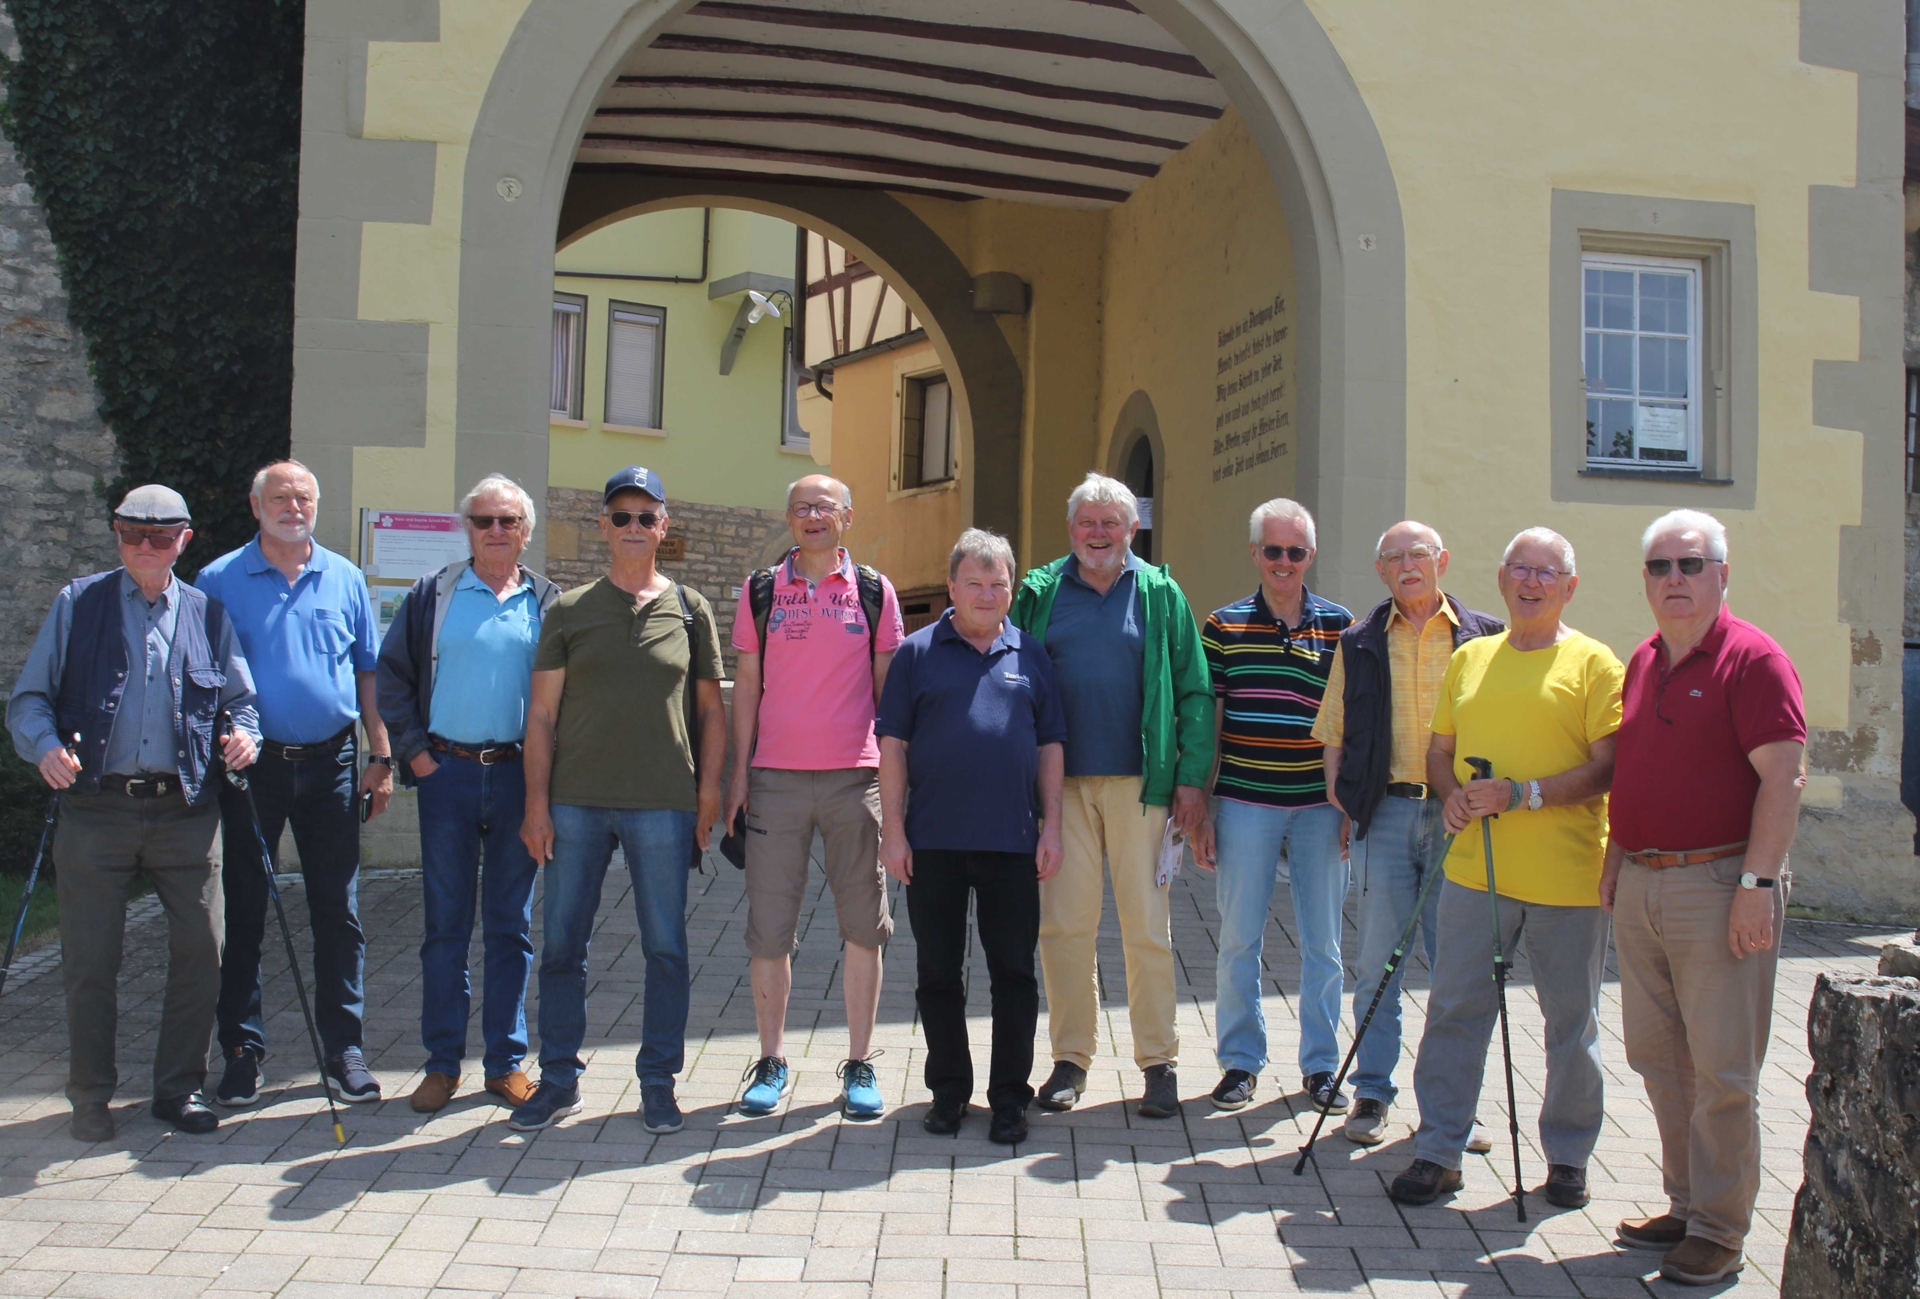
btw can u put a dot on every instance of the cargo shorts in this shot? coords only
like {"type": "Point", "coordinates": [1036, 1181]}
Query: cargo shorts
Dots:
{"type": "Point", "coordinates": [784, 808]}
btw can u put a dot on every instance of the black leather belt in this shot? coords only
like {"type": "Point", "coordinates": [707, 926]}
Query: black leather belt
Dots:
{"type": "Point", "coordinates": [301, 752]}
{"type": "Point", "coordinates": [484, 754]}
{"type": "Point", "coordinates": [145, 785]}
{"type": "Point", "coordinates": [1409, 789]}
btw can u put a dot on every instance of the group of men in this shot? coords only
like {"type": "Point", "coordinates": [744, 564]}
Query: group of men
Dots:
{"type": "Point", "coordinates": [1046, 737]}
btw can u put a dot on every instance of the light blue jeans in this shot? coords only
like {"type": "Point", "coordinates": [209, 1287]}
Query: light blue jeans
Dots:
{"type": "Point", "coordinates": [1391, 864]}
{"type": "Point", "coordinates": [1250, 838]}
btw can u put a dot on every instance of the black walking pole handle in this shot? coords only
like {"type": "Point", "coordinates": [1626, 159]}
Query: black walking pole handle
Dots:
{"type": "Point", "coordinates": [222, 728]}
{"type": "Point", "coordinates": [1482, 770]}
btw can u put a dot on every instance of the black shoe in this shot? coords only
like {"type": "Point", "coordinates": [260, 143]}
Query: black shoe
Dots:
{"type": "Point", "coordinates": [1061, 1090]}
{"type": "Point", "coordinates": [1009, 1126]}
{"type": "Point", "coordinates": [240, 1085]}
{"type": "Point", "coordinates": [92, 1121]}
{"type": "Point", "coordinates": [186, 1113]}
{"type": "Point", "coordinates": [1235, 1090]}
{"type": "Point", "coordinates": [1566, 1186]}
{"type": "Point", "coordinates": [1319, 1086]}
{"type": "Point", "coordinates": [943, 1117]}
{"type": "Point", "coordinates": [1423, 1183]}
{"type": "Point", "coordinates": [1162, 1098]}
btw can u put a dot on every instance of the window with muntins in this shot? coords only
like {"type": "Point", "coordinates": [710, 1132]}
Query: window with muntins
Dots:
{"type": "Point", "coordinates": [636, 340]}
{"type": "Point", "coordinates": [926, 433]}
{"type": "Point", "coordinates": [569, 355]}
{"type": "Point", "coordinates": [1641, 337]}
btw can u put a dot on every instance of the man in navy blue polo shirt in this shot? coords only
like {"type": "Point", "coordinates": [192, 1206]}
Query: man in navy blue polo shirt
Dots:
{"type": "Point", "coordinates": [306, 624]}
{"type": "Point", "coordinates": [971, 761]}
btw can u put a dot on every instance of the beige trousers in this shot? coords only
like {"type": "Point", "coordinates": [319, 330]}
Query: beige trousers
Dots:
{"type": "Point", "coordinates": [1104, 825]}
{"type": "Point", "coordinates": [1696, 1021]}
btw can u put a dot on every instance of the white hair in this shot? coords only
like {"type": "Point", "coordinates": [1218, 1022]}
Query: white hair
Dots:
{"type": "Point", "coordinates": [1431, 531]}
{"type": "Point", "coordinates": [1544, 537]}
{"type": "Point", "coordinates": [507, 487]}
{"type": "Point", "coordinates": [846, 492]}
{"type": "Point", "coordinates": [982, 547]}
{"type": "Point", "coordinates": [1711, 530]}
{"type": "Point", "coordinates": [1098, 489]}
{"type": "Point", "coordinates": [1280, 508]}
{"type": "Point", "coordinates": [260, 479]}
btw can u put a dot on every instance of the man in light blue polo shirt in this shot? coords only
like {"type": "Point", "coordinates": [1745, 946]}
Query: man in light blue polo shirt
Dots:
{"type": "Point", "coordinates": [455, 674]}
{"type": "Point", "coordinates": [306, 624]}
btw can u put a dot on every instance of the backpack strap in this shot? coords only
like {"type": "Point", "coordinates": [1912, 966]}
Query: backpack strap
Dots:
{"type": "Point", "coordinates": [873, 600]}
{"type": "Point", "coordinates": [760, 605]}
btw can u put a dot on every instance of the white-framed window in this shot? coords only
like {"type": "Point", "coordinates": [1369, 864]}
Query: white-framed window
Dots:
{"type": "Point", "coordinates": [636, 352]}
{"type": "Point", "coordinates": [926, 432]}
{"type": "Point", "coordinates": [569, 354]}
{"type": "Point", "coordinates": [1641, 351]}
{"type": "Point", "coordinates": [792, 436]}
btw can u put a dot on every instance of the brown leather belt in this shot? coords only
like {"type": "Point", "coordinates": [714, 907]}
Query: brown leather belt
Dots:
{"type": "Point", "coordinates": [145, 785]}
{"type": "Point", "coordinates": [1667, 860]}
{"type": "Point", "coordinates": [485, 754]}
{"type": "Point", "coordinates": [301, 752]}
{"type": "Point", "coordinates": [1409, 789]}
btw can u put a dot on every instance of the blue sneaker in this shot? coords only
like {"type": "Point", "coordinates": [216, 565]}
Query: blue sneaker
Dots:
{"type": "Point", "coordinates": [549, 1104]}
{"type": "Point", "coordinates": [349, 1079]}
{"type": "Point", "coordinates": [860, 1091]}
{"type": "Point", "coordinates": [658, 1112]}
{"type": "Point", "coordinates": [772, 1080]}
{"type": "Point", "coordinates": [240, 1085]}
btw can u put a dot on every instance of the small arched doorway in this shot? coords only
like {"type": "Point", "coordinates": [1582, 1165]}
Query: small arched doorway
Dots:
{"type": "Point", "coordinates": [1138, 459]}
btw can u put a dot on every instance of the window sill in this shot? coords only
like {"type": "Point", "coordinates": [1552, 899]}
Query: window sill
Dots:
{"type": "Point", "coordinates": [797, 449]}
{"type": "Point", "coordinates": [637, 430]}
{"type": "Point", "coordinates": [925, 489]}
{"type": "Point", "coordinates": [561, 421]}
{"type": "Point", "coordinates": [1655, 475]}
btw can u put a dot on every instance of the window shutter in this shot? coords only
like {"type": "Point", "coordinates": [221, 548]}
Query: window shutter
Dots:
{"type": "Point", "coordinates": [567, 321]}
{"type": "Point", "coordinates": [633, 370]}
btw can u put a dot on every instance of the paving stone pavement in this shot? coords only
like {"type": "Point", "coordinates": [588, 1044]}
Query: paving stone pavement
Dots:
{"type": "Point", "coordinates": [1098, 1203]}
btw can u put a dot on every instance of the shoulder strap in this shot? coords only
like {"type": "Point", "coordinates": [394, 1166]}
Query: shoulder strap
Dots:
{"type": "Point", "coordinates": [873, 600]}
{"type": "Point", "coordinates": [760, 604]}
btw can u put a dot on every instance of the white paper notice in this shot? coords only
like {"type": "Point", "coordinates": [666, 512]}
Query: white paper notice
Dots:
{"type": "Point", "coordinates": [1146, 511]}
{"type": "Point", "coordinates": [1660, 428]}
{"type": "Point", "coordinates": [413, 545]}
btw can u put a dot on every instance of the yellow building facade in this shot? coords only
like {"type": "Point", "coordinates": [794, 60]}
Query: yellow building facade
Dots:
{"type": "Point", "coordinates": [1370, 255]}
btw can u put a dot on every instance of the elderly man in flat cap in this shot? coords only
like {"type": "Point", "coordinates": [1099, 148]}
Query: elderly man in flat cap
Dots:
{"type": "Point", "coordinates": [116, 707]}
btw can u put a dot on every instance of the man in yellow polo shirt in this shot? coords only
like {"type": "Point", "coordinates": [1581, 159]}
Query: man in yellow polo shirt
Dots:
{"type": "Point", "coordinates": [1541, 703]}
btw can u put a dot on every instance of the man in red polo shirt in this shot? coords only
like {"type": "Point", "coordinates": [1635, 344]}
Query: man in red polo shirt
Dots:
{"type": "Point", "coordinates": [1706, 797]}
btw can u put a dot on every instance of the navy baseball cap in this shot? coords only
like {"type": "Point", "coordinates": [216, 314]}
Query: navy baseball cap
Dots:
{"type": "Point", "coordinates": [635, 478]}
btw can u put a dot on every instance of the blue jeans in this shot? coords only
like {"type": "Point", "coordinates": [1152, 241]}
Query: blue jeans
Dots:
{"type": "Point", "coordinates": [1250, 839]}
{"type": "Point", "coordinates": [315, 794]}
{"type": "Point", "coordinates": [1392, 862]}
{"type": "Point", "coordinates": [658, 845]}
{"type": "Point", "coordinates": [468, 811]}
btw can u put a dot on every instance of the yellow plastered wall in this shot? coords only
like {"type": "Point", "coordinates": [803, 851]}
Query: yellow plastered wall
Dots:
{"type": "Point", "coordinates": [1484, 111]}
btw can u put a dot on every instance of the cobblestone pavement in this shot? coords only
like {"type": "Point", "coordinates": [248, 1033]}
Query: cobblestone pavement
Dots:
{"type": "Point", "coordinates": [1098, 1203]}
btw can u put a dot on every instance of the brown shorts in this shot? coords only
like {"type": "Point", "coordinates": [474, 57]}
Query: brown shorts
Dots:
{"type": "Point", "coordinates": [783, 810]}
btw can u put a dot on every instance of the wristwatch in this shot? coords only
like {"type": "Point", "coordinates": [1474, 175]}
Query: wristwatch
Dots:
{"type": "Point", "coordinates": [1752, 881]}
{"type": "Point", "coordinates": [383, 759]}
{"type": "Point", "coordinates": [1535, 801]}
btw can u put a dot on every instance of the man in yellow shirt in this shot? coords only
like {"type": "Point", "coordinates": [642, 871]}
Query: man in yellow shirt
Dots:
{"type": "Point", "coordinates": [1374, 723]}
{"type": "Point", "coordinates": [1541, 703]}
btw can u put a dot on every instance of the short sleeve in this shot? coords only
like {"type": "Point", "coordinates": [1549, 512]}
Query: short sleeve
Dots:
{"type": "Point", "coordinates": [1767, 704]}
{"type": "Point", "coordinates": [1215, 654]}
{"type": "Point", "coordinates": [746, 636]}
{"type": "Point", "coordinates": [1330, 726]}
{"type": "Point", "coordinates": [706, 641]}
{"type": "Point", "coordinates": [551, 653]}
{"type": "Point", "coordinates": [1449, 684]}
{"type": "Point", "coordinates": [366, 632]}
{"type": "Point", "coordinates": [895, 716]}
{"type": "Point", "coordinates": [1605, 676]}
{"type": "Point", "coordinates": [1049, 718]}
{"type": "Point", "coordinates": [893, 628]}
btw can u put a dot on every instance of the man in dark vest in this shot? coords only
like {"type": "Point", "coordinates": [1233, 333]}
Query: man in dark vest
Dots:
{"type": "Point", "coordinates": [117, 707]}
{"type": "Point", "coordinates": [1375, 721]}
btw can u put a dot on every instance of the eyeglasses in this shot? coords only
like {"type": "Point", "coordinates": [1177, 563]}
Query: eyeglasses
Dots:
{"type": "Point", "coordinates": [162, 536]}
{"type": "Point", "coordinates": [487, 522]}
{"type": "Point", "coordinates": [1544, 576]}
{"type": "Point", "coordinates": [1691, 565]}
{"type": "Point", "coordinates": [621, 518]}
{"type": "Point", "coordinates": [814, 509]}
{"type": "Point", "coordinates": [1418, 554]}
{"type": "Point", "coordinates": [1274, 554]}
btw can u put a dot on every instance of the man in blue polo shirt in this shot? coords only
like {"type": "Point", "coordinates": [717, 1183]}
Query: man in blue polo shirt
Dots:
{"type": "Point", "coordinates": [306, 624]}
{"type": "Point", "coordinates": [971, 756]}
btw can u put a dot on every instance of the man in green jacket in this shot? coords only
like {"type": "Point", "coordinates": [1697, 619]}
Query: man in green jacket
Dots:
{"type": "Point", "coordinates": [1139, 708]}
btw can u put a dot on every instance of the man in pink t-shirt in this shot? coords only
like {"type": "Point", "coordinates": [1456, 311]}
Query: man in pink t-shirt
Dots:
{"type": "Point", "coordinates": [805, 759]}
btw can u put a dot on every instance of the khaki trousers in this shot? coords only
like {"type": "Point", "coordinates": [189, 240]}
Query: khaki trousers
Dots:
{"type": "Point", "coordinates": [1696, 1021]}
{"type": "Point", "coordinates": [1104, 824]}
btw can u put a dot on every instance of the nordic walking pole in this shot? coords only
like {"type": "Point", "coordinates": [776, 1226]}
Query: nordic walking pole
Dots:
{"type": "Point", "coordinates": [1434, 872]}
{"type": "Point", "coordinates": [240, 782]}
{"type": "Point", "coordinates": [1484, 770]}
{"type": "Point", "coordinates": [33, 876]}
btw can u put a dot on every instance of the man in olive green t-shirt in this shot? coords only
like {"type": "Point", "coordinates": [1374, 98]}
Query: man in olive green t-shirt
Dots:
{"type": "Point", "coordinates": [609, 759]}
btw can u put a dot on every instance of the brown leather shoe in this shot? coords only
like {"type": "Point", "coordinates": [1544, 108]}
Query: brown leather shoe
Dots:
{"type": "Point", "coordinates": [433, 1093]}
{"type": "Point", "coordinates": [513, 1089]}
{"type": "Point", "coordinates": [1663, 1232]}
{"type": "Point", "coordinates": [1698, 1261]}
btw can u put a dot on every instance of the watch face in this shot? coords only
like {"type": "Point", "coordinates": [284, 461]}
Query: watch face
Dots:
{"type": "Point", "coordinates": [1748, 880]}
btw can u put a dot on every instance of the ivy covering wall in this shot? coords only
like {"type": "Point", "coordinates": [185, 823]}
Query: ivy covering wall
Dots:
{"type": "Point", "coordinates": [162, 140]}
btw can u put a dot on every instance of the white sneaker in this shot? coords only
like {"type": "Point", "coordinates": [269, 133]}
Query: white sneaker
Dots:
{"type": "Point", "coordinates": [1479, 1140]}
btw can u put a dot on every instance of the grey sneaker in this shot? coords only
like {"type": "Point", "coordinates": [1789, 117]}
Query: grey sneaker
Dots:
{"type": "Point", "coordinates": [1061, 1090]}
{"type": "Point", "coordinates": [1367, 1124]}
{"type": "Point", "coordinates": [1162, 1099]}
{"type": "Point", "coordinates": [1235, 1089]}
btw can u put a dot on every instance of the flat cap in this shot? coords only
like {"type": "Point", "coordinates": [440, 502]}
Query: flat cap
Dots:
{"type": "Point", "coordinates": [154, 504]}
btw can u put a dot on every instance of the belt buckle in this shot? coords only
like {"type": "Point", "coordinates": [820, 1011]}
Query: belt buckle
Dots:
{"type": "Point", "coordinates": [1425, 792]}
{"type": "Point", "coordinates": [485, 756]}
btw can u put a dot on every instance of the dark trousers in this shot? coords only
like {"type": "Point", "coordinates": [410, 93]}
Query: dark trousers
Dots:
{"type": "Point", "coordinates": [1007, 918]}
{"type": "Point", "coordinates": [102, 839]}
{"type": "Point", "coordinates": [315, 794]}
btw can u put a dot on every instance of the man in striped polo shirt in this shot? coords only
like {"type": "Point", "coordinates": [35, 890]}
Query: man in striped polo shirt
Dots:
{"type": "Point", "coordinates": [1269, 656]}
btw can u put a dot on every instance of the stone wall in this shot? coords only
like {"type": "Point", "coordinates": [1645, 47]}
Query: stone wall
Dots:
{"type": "Point", "coordinates": [1856, 1219]}
{"type": "Point", "coordinates": [53, 446]}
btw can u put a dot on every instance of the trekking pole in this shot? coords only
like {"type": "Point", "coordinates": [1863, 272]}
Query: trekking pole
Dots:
{"type": "Point", "coordinates": [33, 877]}
{"type": "Point", "coordinates": [1434, 872]}
{"type": "Point", "coordinates": [1484, 770]}
{"type": "Point", "coordinates": [241, 783]}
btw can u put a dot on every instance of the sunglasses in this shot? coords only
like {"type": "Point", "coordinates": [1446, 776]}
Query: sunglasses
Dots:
{"type": "Point", "coordinates": [1690, 565]}
{"type": "Point", "coordinates": [1274, 554]}
{"type": "Point", "coordinates": [621, 518]}
{"type": "Point", "coordinates": [486, 522]}
{"type": "Point", "coordinates": [157, 536]}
